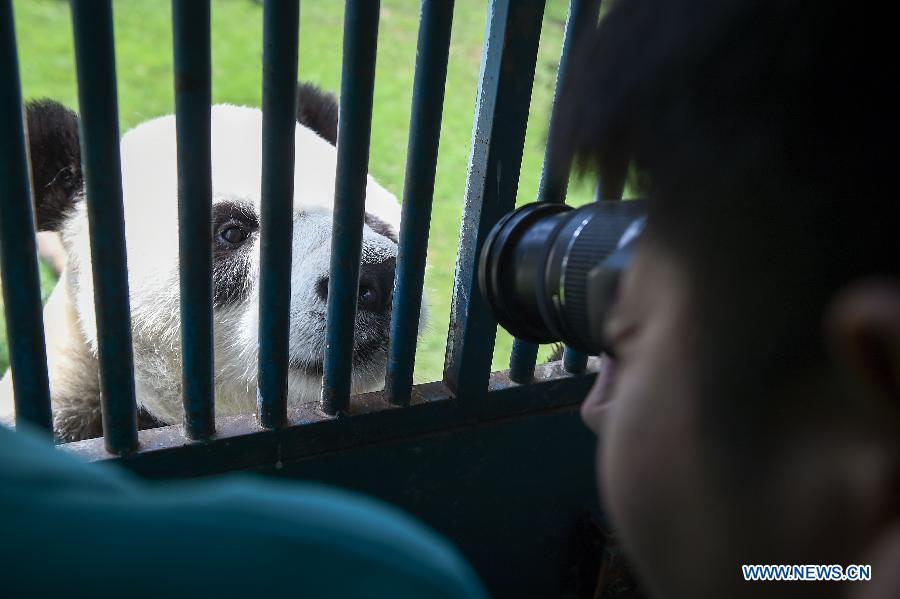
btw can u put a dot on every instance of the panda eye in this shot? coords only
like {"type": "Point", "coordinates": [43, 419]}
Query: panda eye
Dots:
{"type": "Point", "coordinates": [233, 235]}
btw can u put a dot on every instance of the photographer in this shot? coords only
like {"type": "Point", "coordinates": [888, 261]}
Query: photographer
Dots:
{"type": "Point", "coordinates": [752, 414]}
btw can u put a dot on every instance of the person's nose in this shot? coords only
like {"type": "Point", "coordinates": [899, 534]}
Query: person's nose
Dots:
{"type": "Point", "coordinates": [376, 284]}
{"type": "Point", "coordinates": [594, 406]}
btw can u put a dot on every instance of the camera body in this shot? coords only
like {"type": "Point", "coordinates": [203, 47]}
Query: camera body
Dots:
{"type": "Point", "coordinates": [549, 272]}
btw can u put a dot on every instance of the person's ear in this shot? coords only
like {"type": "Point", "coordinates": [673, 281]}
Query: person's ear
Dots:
{"type": "Point", "coordinates": [864, 331]}
{"type": "Point", "coordinates": [883, 558]}
{"type": "Point", "coordinates": [863, 328]}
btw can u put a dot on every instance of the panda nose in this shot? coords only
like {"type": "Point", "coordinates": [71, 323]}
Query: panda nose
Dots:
{"type": "Point", "coordinates": [376, 282]}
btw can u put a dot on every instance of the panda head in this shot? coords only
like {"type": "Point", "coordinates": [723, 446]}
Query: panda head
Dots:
{"type": "Point", "coordinates": [150, 184]}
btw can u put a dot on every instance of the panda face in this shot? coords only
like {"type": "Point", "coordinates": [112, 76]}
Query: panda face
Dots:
{"type": "Point", "coordinates": [149, 179]}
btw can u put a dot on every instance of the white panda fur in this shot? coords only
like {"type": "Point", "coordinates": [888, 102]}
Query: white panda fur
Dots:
{"type": "Point", "coordinates": [149, 179]}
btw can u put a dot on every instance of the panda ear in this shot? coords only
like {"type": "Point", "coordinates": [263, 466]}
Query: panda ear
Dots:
{"type": "Point", "coordinates": [318, 110]}
{"type": "Point", "coordinates": [53, 145]}
{"type": "Point", "coordinates": [381, 227]}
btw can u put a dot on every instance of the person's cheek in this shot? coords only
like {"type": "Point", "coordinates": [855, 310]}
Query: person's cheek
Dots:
{"type": "Point", "coordinates": [626, 456]}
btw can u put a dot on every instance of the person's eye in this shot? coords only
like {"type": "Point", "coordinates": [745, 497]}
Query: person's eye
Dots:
{"type": "Point", "coordinates": [233, 235]}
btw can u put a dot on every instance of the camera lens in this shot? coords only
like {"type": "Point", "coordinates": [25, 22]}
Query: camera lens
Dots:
{"type": "Point", "coordinates": [549, 272]}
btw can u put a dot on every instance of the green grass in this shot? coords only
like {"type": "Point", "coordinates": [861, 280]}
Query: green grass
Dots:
{"type": "Point", "coordinates": [144, 59]}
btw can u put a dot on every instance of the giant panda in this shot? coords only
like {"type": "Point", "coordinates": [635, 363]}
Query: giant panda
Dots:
{"type": "Point", "coordinates": [149, 183]}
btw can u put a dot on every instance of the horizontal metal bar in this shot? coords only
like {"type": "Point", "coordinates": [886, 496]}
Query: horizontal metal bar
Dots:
{"type": "Point", "coordinates": [354, 132]}
{"type": "Point", "coordinates": [240, 440]}
{"type": "Point", "coordinates": [504, 95]}
{"type": "Point", "coordinates": [583, 15]}
{"type": "Point", "coordinates": [435, 24]}
{"type": "Point", "coordinates": [193, 96]}
{"type": "Point", "coordinates": [96, 65]}
{"type": "Point", "coordinates": [18, 252]}
{"type": "Point", "coordinates": [280, 38]}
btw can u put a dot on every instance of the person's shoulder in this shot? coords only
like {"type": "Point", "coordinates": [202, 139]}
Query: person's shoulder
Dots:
{"type": "Point", "coordinates": [30, 463]}
{"type": "Point", "coordinates": [234, 531]}
{"type": "Point", "coordinates": [361, 546]}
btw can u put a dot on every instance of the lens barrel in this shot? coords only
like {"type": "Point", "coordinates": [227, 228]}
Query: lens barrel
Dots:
{"type": "Point", "coordinates": [549, 272]}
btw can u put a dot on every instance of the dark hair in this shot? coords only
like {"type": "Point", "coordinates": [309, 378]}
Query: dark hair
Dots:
{"type": "Point", "coordinates": [764, 132]}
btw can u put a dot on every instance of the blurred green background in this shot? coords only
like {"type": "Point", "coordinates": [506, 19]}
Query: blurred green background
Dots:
{"type": "Point", "coordinates": [144, 61]}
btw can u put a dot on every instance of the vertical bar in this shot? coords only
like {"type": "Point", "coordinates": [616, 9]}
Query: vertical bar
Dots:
{"type": "Point", "coordinates": [18, 252]}
{"type": "Point", "coordinates": [610, 186]}
{"type": "Point", "coordinates": [435, 23]}
{"type": "Point", "coordinates": [193, 97]}
{"type": "Point", "coordinates": [583, 14]}
{"type": "Point", "coordinates": [573, 360]}
{"type": "Point", "coordinates": [611, 180]}
{"type": "Point", "coordinates": [355, 118]}
{"type": "Point", "coordinates": [504, 94]}
{"type": "Point", "coordinates": [96, 65]}
{"type": "Point", "coordinates": [281, 21]}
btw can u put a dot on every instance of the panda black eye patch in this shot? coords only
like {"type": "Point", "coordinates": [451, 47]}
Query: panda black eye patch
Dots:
{"type": "Point", "coordinates": [232, 225]}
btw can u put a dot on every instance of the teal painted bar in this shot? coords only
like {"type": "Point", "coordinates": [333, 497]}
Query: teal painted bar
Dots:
{"type": "Point", "coordinates": [193, 97]}
{"type": "Point", "coordinates": [504, 95]}
{"type": "Point", "coordinates": [435, 24]}
{"type": "Point", "coordinates": [96, 65]}
{"type": "Point", "coordinates": [354, 132]}
{"type": "Point", "coordinates": [583, 15]}
{"type": "Point", "coordinates": [280, 39]}
{"type": "Point", "coordinates": [610, 187]}
{"type": "Point", "coordinates": [18, 253]}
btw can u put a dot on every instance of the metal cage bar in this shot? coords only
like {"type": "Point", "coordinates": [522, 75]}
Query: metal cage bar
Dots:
{"type": "Point", "coordinates": [574, 361]}
{"type": "Point", "coordinates": [504, 95]}
{"type": "Point", "coordinates": [18, 252]}
{"type": "Point", "coordinates": [610, 187]}
{"type": "Point", "coordinates": [507, 74]}
{"type": "Point", "coordinates": [96, 66]}
{"type": "Point", "coordinates": [193, 98]}
{"type": "Point", "coordinates": [435, 24]}
{"type": "Point", "coordinates": [555, 172]}
{"type": "Point", "coordinates": [354, 132]}
{"type": "Point", "coordinates": [611, 181]}
{"type": "Point", "coordinates": [280, 43]}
